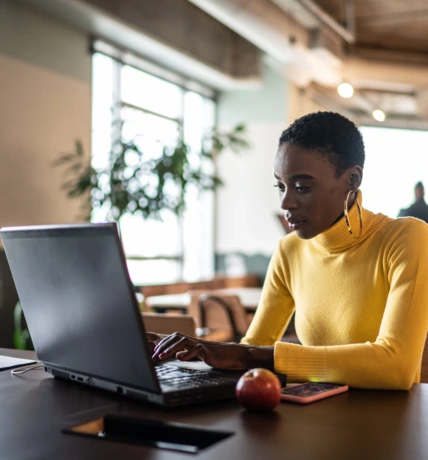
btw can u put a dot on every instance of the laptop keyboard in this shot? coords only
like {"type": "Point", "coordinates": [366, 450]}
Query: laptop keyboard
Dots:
{"type": "Point", "coordinates": [182, 378]}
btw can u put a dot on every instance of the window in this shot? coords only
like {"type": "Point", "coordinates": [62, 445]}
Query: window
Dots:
{"type": "Point", "coordinates": [159, 112]}
{"type": "Point", "coordinates": [396, 159]}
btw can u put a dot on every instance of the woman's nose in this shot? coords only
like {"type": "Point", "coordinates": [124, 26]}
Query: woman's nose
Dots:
{"type": "Point", "coordinates": [288, 201]}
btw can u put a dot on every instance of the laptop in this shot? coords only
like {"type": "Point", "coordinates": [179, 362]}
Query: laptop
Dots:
{"type": "Point", "coordinates": [84, 318]}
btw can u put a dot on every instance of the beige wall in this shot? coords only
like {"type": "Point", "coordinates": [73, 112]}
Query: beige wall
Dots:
{"type": "Point", "coordinates": [42, 112]}
{"type": "Point", "coordinates": [45, 100]}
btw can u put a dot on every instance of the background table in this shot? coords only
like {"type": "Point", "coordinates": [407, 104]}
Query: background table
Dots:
{"type": "Point", "coordinates": [358, 425]}
{"type": "Point", "coordinates": [249, 297]}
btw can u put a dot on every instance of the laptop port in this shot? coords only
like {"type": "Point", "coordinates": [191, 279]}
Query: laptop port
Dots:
{"type": "Point", "coordinates": [73, 376]}
{"type": "Point", "coordinates": [80, 379]}
{"type": "Point", "coordinates": [119, 390]}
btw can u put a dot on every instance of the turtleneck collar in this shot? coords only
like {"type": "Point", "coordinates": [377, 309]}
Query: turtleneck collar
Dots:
{"type": "Point", "coordinates": [337, 237]}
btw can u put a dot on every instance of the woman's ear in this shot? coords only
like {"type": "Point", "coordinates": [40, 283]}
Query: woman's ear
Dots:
{"type": "Point", "coordinates": [355, 177]}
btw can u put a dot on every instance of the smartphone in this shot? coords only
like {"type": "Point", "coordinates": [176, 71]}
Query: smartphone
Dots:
{"type": "Point", "coordinates": [310, 391]}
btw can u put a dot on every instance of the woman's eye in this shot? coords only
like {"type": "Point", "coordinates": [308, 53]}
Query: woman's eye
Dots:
{"type": "Point", "coordinates": [301, 188]}
{"type": "Point", "coordinates": [280, 187]}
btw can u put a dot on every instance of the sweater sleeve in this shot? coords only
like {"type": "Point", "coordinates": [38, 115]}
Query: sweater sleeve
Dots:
{"type": "Point", "coordinates": [275, 308]}
{"type": "Point", "coordinates": [392, 361]}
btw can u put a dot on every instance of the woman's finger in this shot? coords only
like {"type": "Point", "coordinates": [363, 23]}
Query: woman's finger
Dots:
{"type": "Point", "coordinates": [170, 347]}
{"type": "Point", "coordinates": [167, 341]}
{"type": "Point", "coordinates": [191, 353]}
{"type": "Point", "coordinates": [153, 337]}
{"type": "Point", "coordinates": [169, 352]}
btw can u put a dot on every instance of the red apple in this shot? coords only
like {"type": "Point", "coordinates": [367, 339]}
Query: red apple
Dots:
{"type": "Point", "coordinates": [258, 390]}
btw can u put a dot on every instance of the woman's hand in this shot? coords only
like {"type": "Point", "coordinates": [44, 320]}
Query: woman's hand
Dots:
{"type": "Point", "coordinates": [154, 339]}
{"type": "Point", "coordinates": [231, 356]}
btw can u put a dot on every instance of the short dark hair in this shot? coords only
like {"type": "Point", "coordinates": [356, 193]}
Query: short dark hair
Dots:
{"type": "Point", "coordinates": [332, 135]}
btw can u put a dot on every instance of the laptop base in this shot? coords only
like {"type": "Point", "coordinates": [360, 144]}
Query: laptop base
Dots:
{"type": "Point", "coordinates": [168, 398]}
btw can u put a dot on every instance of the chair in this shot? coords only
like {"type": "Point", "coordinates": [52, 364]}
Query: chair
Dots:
{"type": "Point", "coordinates": [219, 317]}
{"type": "Point", "coordinates": [168, 324]}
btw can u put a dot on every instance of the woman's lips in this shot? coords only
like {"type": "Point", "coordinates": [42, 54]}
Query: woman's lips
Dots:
{"type": "Point", "coordinates": [295, 224]}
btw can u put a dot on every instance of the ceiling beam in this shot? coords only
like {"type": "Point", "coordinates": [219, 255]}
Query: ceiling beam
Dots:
{"type": "Point", "coordinates": [262, 23]}
{"type": "Point", "coordinates": [360, 69]}
{"type": "Point", "coordinates": [188, 30]}
{"type": "Point", "coordinates": [392, 18]}
{"type": "Point", "coordinates": [326, 20]}
{"type": "Point", "coordinates": [186, 41]}
{"type": "Point", "coordinates": [390, 56]}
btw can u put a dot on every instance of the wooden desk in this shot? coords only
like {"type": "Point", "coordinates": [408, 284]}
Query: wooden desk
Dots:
{"type": "Point", "coordinates": [249, 298]}
{"type": "Point", "coordinates": [359, 425]}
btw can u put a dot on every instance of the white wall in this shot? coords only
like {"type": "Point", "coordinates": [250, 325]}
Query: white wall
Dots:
{"type": "Point", "coordinates": [45, 100]}
{"type": "Point", "coordinates": [247, 204]}
{"type": "Point", "coordinates": [396, 159]}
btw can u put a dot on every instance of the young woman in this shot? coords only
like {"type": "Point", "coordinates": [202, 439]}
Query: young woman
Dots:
{"type": "Point", "coordinates": [357, 281]}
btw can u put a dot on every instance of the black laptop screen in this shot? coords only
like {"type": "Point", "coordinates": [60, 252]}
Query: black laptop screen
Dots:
{"type": "Point", "coordinates": [78, 301]}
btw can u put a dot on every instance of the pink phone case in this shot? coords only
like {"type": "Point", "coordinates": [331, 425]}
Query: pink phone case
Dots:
{"type": "Point", "coordinates": [309, 392]}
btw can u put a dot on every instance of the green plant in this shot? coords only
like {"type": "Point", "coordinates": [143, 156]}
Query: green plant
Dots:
{"type": "Point", "coordinates": [133, 182]}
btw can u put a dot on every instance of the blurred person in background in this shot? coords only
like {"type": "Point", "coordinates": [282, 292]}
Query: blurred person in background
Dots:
{"type": "Point", "coordinates": [419, 208]}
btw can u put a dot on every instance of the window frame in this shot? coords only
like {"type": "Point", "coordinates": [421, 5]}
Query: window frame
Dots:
{"type": "Point", "coordinates": [121, 58]}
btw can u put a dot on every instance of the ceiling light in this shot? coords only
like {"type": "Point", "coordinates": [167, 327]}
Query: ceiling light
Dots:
{"type": "Point", "coordinates": [345, 90]}
{"type": "Point", "coordinates": [379, 115]}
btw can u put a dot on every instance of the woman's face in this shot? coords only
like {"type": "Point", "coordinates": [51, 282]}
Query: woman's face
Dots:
{"type": "Point", "coordinates": [311, 194]}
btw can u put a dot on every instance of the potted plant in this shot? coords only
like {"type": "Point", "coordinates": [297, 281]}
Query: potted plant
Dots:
{"type": "Point", "coordinates": [145, 185]}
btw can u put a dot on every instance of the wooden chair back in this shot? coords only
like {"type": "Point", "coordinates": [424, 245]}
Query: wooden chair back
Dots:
{"type": "Point", "coordinates": [218, 316]}
{"type": "Point", "coordinates": [168, 324]}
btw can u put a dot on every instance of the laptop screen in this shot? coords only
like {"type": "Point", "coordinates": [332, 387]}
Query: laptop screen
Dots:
{"type": "Point", "coordinates": [79, 302]}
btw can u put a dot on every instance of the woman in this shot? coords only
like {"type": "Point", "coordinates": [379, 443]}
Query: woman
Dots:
{"type": "Point", "coordinates": [357, 281]}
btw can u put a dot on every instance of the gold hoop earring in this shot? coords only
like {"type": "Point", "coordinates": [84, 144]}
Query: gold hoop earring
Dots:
{"type": "Point", "coordinates": [346, 211]}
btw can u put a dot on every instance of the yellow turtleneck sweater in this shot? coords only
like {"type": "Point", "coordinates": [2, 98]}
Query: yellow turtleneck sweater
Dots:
{"type": "Point", "coordinates": [361, 303]}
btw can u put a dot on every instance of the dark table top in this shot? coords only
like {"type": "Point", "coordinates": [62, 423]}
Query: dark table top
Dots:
{"type": "Point", "coordinates": [35, 407]}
